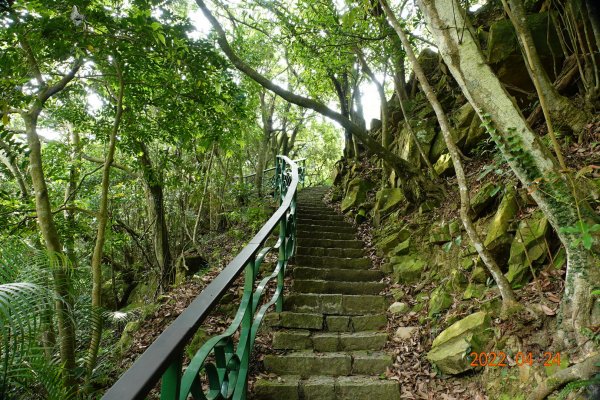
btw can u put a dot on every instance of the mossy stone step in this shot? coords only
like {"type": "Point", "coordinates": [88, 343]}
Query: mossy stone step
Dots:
{"type": "Point", "coordinates": [324, 229]}
{"type": "Point", "coordinates": [323, 217]}
{"type": "Point", "coordinates": [333, 262]}
{"type": "Point", "coordinates": [338, 274]}
{"type": "Point", "coordinates": [307, 363]}
{"type": "Point", "coordinates": [327, 235]}
{"type": "Point", "coordinates": [341, 287]}
{"type": "Point", "coordinates": [328, 342]}
{"type": "Point", "coordinates": [331, 244]}
{"type": "Point", "coordinates": [323, 210]}
{"type": "Point", "coordinates": [326, 323]}
{"type": "Point", "coordinates": [335, 304]}
{"type": "Point", "coordinates": [326, 388]}
{"type": "Point", "coordinates": [329, 252]}
{"type": "Point", "coordinates": [327, 223]}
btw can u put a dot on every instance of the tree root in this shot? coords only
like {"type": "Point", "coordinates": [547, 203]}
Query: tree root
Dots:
{"type": "Point", "coordinates": [583, 370]}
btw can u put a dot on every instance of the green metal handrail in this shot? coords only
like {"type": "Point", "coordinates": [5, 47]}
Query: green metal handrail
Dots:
{"type": "Point", "coordinates": [226, 372]}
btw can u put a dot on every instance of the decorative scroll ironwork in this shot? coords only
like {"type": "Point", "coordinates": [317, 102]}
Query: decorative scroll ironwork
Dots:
{"type": "Point", "coordinates": [221, 362]}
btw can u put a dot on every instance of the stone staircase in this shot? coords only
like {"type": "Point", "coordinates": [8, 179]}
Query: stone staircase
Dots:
{"type": "Point", "coordinates": [331, 334]}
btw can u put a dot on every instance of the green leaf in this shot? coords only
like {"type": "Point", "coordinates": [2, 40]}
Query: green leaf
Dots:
{"type": "Point", "coordinates": [161, 38]}
{"type": "Point", "coordinates": [447, 246]}
{"type": "Point", "coordinates": [587, 241]}
{"type": "Point", "coordinates": [594, 228]}
{"type": "Point", "coordinates": [155, 26]}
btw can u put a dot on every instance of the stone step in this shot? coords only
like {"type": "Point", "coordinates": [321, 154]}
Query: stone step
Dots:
{"type": "Point", "coordinates": [307, 363]}
{"type": "Point", "coordinates": [355, 387]}
{"type": "Point", "coordinates": [335, 287]}
{"type": "Point", "coordinates": [328, 342]}
{"type": "Point", "coordinates": [318, 212]}
{"type": "Point", "coordinates": [335, 304]}
{"type": "Point", "coordinates": [324, 229]}
{"type": "Point", "coordinates": [324, 217]}
{"type": "Point", "coordinates": [316, 209]}
{"type": "Point", "coordinates": [335, 274]}
{"type": "Point", "coordinates": [330, 244]}
{"type": "Point", "coordinates": [329, 252]}
{"type": "Point", "coordinates": [321, 222]}
{"type": "Point", "coordinates": [326, 323]}
{"type": "Point", "coordinates": [333, 262]}
{"type": "Point", "coordinates": [327, 235]}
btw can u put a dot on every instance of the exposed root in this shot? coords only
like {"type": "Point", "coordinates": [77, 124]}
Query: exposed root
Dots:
{"type": "Point", "coordinates": [583, 370]}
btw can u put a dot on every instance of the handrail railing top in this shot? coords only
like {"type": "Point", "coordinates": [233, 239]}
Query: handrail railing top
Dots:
{"type": "Point", "coordinates": [145, 372]}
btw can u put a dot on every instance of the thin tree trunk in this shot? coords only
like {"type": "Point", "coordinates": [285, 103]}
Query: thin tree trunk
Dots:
{"type": "Point", "coordinates": [11, 165]}
{"type": "Point", "coordinates": [509, 300]}
{"type": "Point", "coordinates": [529, 159]}
{"type": "Point", "coordinates": [559, 107]}
{"type": "Point", "coordinates": [267, 111]}
{"type": "Point", "coordinates": [97, 320]}
{"type": "Point", "coordinates": [156, 210]}
{"type": "Point", "coordinates": [204, 189]}
{"type": "Point", "coordinates": [70, 192]}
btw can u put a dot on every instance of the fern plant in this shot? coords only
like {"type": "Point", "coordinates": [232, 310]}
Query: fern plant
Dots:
{"type": "Point", "coordinates": [28, 366]}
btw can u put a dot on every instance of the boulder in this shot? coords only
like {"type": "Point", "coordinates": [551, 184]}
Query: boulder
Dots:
{"type": "Point", "coordinates": [529, 248]}
{"type": "Point", "coordinates": [498, 238]}
{"type": "Point", "coordinates": [484, 199]}
{"type": "Point", "coordinates": [397, 294]}
{"type": "Point", "coordinates": [405, 332]}
{"type": "Point", "coordinates": [457, 280]}
{"type": "Point", "coordinates": [440, 233]}
{"type": "Point", "coordinates": [443, 166]}
{"type": "Point", "coordinates": [408, 268]}
{"type": "Point", "coordinates": [455, 227]}
{"type": "Point", "coordinates": [391, 240]}
{"type": "Point", "coordinates": [398, 308]}
{"type": "Point", "coordinates": [440, 301]}
{"type": "Point", "coordinates": [405, 145]}
{"type": "Point", "coordinates": [356, 194]}
{"type": "Point", "coordinates": [505, 55]}
{"type": "Point", "coordinates": [450, 350]}
{"type": "Point", "coordinates": [474, 291]}
{"type": "Point", "coordinates": [386, 200]}
{"type": "Point", "coordinates": [400, 250]}
{"type": "Point", "coordinates": [479, 274]}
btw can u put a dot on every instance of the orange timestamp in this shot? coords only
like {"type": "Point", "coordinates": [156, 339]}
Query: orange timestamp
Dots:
{"type": "Point", "coordinates": [500, 359]}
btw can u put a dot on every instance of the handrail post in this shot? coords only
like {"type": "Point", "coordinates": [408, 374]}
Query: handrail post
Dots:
{"type": "Point", "coordinates": [282, 260]}
{"type": "Point", "coordinates": [171, 380]}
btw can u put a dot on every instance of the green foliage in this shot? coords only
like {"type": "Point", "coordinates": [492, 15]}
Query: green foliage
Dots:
{"type": "Point", "coordinates": [573, 386]}
{"type": "Point", "coordinates": [584, 233]}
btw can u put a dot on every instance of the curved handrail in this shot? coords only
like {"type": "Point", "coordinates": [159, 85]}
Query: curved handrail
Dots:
{"type": "Point", "coordinates": [227, 375]}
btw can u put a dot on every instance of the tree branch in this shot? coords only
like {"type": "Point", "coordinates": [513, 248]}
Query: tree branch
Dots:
{"type": "Point", "coordinates": [401, 165]}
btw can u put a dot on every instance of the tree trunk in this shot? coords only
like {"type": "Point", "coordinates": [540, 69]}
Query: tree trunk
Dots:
{"type": "Point", "coordinates": [560, 108]}
{"type": "Point", "coordinates": [11, 165]}
{"type": "Point", "coordinates": [70, 193]}
{"type": "Point", "coordinates": [156, 211]}
{"type": "Point", "coordinates": [529, 159]}
{"type": "Point", "coordinates": [509, 300]}
{"type": "Point", "coordinates": [266, 111]}
{"type": "Point", "coordinates": [97, 320]}
{"type": "Point", "coordinates": [64, 302]}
